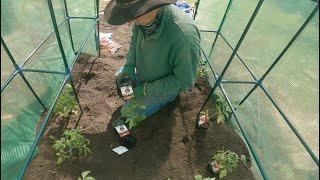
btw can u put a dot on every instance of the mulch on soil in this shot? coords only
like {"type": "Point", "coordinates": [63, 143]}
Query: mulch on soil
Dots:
{"type": "Point", "coordinates": [168, 144]}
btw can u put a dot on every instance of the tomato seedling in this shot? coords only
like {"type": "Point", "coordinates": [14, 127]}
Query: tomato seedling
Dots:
{"type": "Point", "coordinates": [223, 114]}
{"type": "Point", "coordinates": [67, 103]}
{"type": "Point", "coordinates": [225, 161]}
{"type": "Point", "coordinates": [72, 143]}
{"type": "Point", "coordinates": [130, 113]}
{"type": "Point", "coordinates": [202, 70]}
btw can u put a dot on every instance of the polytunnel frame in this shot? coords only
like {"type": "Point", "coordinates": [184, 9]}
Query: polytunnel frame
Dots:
{"type": "Point", "coordinates": [19, 69]}
{"type": "Point", "coordinates": [258, 82]}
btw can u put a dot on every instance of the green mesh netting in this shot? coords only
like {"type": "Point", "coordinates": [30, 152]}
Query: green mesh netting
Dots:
{"type": "Point", "coordinates": [293, 83]}
{"type": "Point", "coordinates": [24, 26]}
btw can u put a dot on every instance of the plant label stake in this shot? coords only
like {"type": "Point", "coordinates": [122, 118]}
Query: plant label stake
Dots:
{"type": "Point", "coordinates": [122, 130]}
{"type": "Point", "coordinates": [203, 120]}
{"type": "Point", "coordinates": [125, 89]}
{"type": "Point", "coordinates": [120, 150]}
{"type": "Point", "coordinates": [214, 167]}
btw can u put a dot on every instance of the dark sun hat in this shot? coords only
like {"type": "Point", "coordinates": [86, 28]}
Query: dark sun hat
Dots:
{"type": "Point", "coordinates": [118, 12]}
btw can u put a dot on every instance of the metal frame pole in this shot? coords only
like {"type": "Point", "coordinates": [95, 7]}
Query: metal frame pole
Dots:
{"type": "Point", "coordinates": [80, 17]}
{"type": "Point", "coordinates": [38, 47]}
{"type": "Point", "coordinates": [259, 83]}
{"type": "Point", "coordinates": [254, 153]}
{"type": "Point", "coordinates": [218, 82]}
{"type": "Point", "coordinates": [18, 69]}
{"type": "Point", "coordinates": [42, 130]}
{"type": "Point", "coordinates": [210, 66]}
{"type": "Point", "coordinates": [67, 74]}
{"type": "Point", "coordinates": [43, 71]}
{"type": "Point", "coordinates": [10, 78]}
{"type": "Point", "coordinates": [98, 28]}
{"type": "Point", "coordinates": [203, 30]}
{"type": "Point", "coordinates": [295, 131]}
{"type": "Point", "coordinates": [220, 26]}
{"type": "Point", "coordinates": [238, 82]}
{"type": "Point", "coordinates": [56, 30]}
{"type": "Point", "coordinates": [240, 59]}
{"type": "Point", "coordinates": [44, 125]}
{"type": "Point", "coordinates": [82, 46]}
{"type": "Point", "coordinates": [68, 22]}
{"type": "Point", "coordinates": [196, 9]}
{"type": "Point", "coordinates": [282, 52]}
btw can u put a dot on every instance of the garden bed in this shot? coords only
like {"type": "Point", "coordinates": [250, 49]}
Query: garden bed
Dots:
{"type": "Point", "coordinates": [168, 144]}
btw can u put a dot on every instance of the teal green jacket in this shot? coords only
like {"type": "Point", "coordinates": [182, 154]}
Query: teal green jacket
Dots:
{"type": "Point", "coordinates": [166, 61]}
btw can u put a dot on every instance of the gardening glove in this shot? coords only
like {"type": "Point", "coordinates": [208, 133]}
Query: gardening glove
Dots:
{"type": "Point", "coordinates": [139, 91]}
{"type": "Point", "coordinates": [128, 70]}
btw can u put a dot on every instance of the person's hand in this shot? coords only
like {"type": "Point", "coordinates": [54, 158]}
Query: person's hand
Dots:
{"type": "Point", "coordinates": [128, 70]}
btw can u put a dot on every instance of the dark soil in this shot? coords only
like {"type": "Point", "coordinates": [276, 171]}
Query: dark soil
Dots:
{"type": "Point", "coordinates": [168, 144]}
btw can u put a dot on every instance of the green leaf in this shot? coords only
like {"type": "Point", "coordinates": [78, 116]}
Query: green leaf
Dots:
{"type": "Point", "coordinates": [131, 123]}
{"type": "Point", "coordinates": [215, 97]}
{"type": "Point", "coordinates": [90, 178]}
{"type": "Point", "coordinates": [220, 118]}
{"type": "Point", "coordinates": [226, 115]}
{"type": "Point", "coordinates": [127, 120]}
{"type": "Point", "coordinates": [85, 173]}
{"type": "Point", "coordinates": [60, 160]}
{"type": "Point", "coordinates": [243, 159]}
{"type": "Point", "coordinates": [198, 177]}
{"type": "Point", "coordinates": [223, 173]}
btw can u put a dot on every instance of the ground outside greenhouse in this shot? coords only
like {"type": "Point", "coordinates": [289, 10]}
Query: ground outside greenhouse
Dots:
{"type": "Point", "coordinates": [168, 144]}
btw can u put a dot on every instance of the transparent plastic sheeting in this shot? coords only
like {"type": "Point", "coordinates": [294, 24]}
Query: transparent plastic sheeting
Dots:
{"type": "Point", "coordinates": [293, 83]}
{"type": "Point", "coordinates": [24, 26]}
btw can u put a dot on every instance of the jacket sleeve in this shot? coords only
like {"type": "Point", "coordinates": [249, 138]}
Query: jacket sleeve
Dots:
{"type": "Point", "coordinates": [131, 56]}
{"type": "Point", "coordinates": [182, 77]}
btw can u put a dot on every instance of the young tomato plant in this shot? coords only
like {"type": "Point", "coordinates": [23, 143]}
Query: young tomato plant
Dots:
{"type": "Point", "coordinates": [72, 143]}
{"type": "Point", "coordinates": [227, 161]}
{"type": "Point", "coordinates": [67, 103]}
{"type": "Point", "coordinates": [131, 114]}
{"type": "Point", "coordinates": [223, 114]}
{"type": "Point", "coordinates": [204, 118]}
{"type": "Point", "coordinates": [202, 70]}
{"type": "Point", "coordinates": [201, 73]}
{"type": "Point", "coordinates": [85, 176]}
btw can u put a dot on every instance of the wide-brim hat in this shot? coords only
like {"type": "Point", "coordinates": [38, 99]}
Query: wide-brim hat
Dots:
{"type": "Point", "coordinates": [118, 12]}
